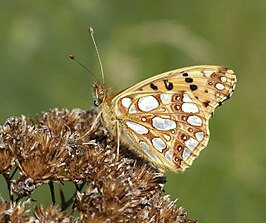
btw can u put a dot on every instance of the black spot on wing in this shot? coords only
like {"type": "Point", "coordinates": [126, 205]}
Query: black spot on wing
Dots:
{"type": "Point", "coordinates": [168, 85]}
{"type": "Point", "coordinates": [188, 79]}
{"type": "Point", "coordinates": [153, 87]}
{"type": "Point", "coordinates": [193, 87]}
{"type": "Point", "coordinates": [206, 103]}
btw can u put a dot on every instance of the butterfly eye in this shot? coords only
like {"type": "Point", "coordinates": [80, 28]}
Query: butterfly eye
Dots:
{"type": "Point", "coordinates": [96, 103]}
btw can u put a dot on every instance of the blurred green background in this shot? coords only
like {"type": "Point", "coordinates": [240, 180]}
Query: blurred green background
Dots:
{"type": "Point", "coordinates": [138, 39]}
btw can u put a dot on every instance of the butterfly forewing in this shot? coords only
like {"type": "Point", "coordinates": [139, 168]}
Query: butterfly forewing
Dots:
{"type": "Point", "coordinates": [165, 118]}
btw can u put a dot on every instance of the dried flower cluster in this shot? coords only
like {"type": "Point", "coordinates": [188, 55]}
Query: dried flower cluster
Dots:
{"type": "Point", "coordinates": [56, 148]}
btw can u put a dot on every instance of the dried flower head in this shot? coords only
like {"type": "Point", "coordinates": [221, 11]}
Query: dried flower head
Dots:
{"type": "Point", "coordinates": [56, 148]}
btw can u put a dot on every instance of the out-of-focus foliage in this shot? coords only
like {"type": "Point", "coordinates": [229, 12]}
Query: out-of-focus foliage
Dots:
{"type": "Point", "coordinates": [138, 39]}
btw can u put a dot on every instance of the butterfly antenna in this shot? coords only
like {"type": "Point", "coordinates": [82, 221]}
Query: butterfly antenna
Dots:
{"type": "Point", "coordinates": [97, 51]}
{"type": "Point", "coordinates": [73, 57]}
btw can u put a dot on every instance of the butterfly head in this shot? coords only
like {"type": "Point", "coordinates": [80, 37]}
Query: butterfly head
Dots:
{"type": "Point", "coordinates": [100, 93]}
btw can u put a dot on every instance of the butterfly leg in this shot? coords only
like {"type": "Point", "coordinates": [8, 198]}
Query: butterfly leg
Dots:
{"type": "Point", "coordinates": [94, 125]}
{"type": "Point", "coordinates": [117, 139]}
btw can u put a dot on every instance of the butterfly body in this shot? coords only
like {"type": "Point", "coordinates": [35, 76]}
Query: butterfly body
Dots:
{"type": "Point", "coordinates": [165, 118]}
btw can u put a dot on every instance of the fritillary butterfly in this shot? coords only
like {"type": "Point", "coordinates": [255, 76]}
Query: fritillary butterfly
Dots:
{"type": "Point", "coordinates": [165, 118]}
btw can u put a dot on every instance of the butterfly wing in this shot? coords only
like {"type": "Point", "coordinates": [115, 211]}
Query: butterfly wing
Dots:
{"type": "Point", "coordinates": [165, 118]}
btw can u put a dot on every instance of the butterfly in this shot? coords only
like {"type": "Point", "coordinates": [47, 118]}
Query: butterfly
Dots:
{"type": "Point", "coordinates": [165, 119]}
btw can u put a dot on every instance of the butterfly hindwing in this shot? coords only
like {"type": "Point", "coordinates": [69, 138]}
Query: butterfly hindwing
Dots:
{"type": "Point", "coordinates": [169, 128]}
